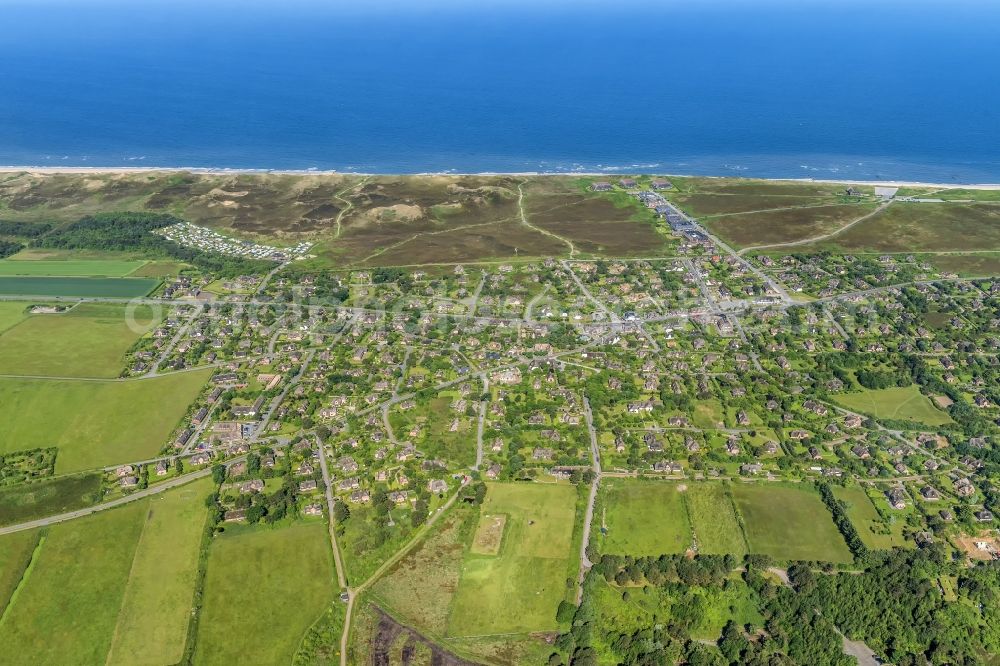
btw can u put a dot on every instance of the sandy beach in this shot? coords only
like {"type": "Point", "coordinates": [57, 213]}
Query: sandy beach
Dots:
{"type": "Point", "coordinates": [40, 170]}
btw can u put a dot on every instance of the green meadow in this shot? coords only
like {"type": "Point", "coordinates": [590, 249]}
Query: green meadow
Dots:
{"type": "Point", "coordinates": [69, 267]}
{"type": "Point", "coordinates": [90, 340]}
{"type": "Point", "coordinates": [264, 589]}
{"type": "Point", "coordinates": [518, 589]}
{"type": "Point", "coordinates": [95, 423]}
{"type": "Point", "coordinates": [789, 523]}
{"type": "Point", "coordinates": [906, 403]}
{"type": "Point", "coordinates": [16, 553]}
{"type": "Point", "coordinates": [78, 287]}
{"type": "Point", "coordinates": [874, 532]}
{"type": "Point", "coordinates": [12, 313]}
{"type": "Point", "coordinates": [67, 606]}
{"type": "Point", "coordinates": [153, 620]}
{"type": "Point", "coordinates": [716, 526]}
{"type": "Point", "coordinates": [643, 518]}
{"type": "Point", "coordinates": [29, 501]}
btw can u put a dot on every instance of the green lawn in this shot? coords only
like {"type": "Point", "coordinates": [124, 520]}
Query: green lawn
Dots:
{"type": "Point", "coordinates": [707, 413]}
{"type": "Point", "coordinates": [643, 518]}
{"type": "Point", "coordinates": [716, 527]}
{"type": "Point", "coordinates": [28, 501]}
{"type": "Point", "coordinates": [518, 589]}
{"type": "Point", "coordinates": [867, 521]}
{"type": "Point", "coordinates": [88, 341]}
{"type": "Point", "coordinates": [67, 607]}
{"type": "Point", "coordinates": [263, 590]}
{"type": "Point", "coordinates": [905, 403]}
{"type": "Point", "coordinates": [95, 423]}
{"type": "Point", "coordinates": [83, 287]}
{"type": "Point", "coordinates": [153, 620]}
{"type": "Point", "coordinates": [70, 267]}
{"type": "Point", "coordinates": [789, 523]}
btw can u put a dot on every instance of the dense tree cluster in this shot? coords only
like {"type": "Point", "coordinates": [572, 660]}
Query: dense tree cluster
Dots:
{"type": "Point", "coordinates": [132, 232]}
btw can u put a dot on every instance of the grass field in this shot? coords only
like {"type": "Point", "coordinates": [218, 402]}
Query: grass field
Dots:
{"type": "Point", "coordinates": [905, 403]}
{"type": "Point", "coordinates": [70, 267]}
{"type": "Point", "coordinates": [82, 287]}
{"type": "Point", "coordinates": [12, 313]}
{"type": "Point", "coordinates": [28, 501]}
{"type": "Point", "coordinates": [67, 607]}
{"type": "Point", "coordinates": [789, 523]}
{"type": "Point", "coordinates": [95, 423]}
{"type": "Point", "coordinates": [643, 518]}
{"type": "Point", "coordinates": [89, 340]}
{"type": "Point", "coordinates": [153, 620]}
{"type": "Point", "coordinates": [713, 518]}
{"type": "Point", "coordinates": [263, 591]}
{"type": "Point", "coordinates": [16, 551]}
{"type": "Point", "coordinates": [867, 520]}
{"type": "Point", "coordinates": [158, 269]}
{"type": "Point", "coordinates": [518, 590]}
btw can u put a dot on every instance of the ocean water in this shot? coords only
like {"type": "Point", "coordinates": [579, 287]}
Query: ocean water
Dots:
{"type": "Point", "coordinates": [865, 90]}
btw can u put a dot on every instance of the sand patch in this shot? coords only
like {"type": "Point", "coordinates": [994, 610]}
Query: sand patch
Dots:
{"type": "Point", "coordinates": [489, 534]}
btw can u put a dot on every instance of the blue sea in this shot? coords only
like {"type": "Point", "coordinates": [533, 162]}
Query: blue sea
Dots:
{"type": "Point", "coordinates": [804, 89]}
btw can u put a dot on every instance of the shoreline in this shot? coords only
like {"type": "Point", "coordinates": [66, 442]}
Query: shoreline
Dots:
{"type": "Point", "coordinates": [215, 171]}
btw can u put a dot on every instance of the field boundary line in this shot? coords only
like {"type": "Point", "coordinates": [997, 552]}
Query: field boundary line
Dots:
{"type": "Point", "coordinates": [4, 613]}
{"type": "Point", "coordinates": [128, 582]}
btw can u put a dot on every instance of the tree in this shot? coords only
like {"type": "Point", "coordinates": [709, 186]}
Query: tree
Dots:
{"type": "Point", "coordinates": [340, 512]}
{"type": "Point", "coordinates": [255, 513]}
{"type": "Point", "coordinates": [218, 473]}
{"type": "Point", "coordinates": [565, 612]}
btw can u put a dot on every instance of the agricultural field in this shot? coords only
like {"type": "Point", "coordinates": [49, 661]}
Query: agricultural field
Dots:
{"type": "Point", "coordinates": [67, 606]}
{"type": "Point", "coordinates": [518, 590]}
{"type": "Point", "coordinates": [89, 340]}
{"type": "Point", "coordinates": [16, 553]}
{"type": "Point", "coordinates": [95, 423]}
{"type": "Point", "coordinates": [12, 313]}
{"type": "Point", "coordinates": [903, 403]}
{"type": "Point", "coordinates": [256, 577]}
{"type": "Point", "coordinates": [153, 621]}
{"type": "Point", "coordinates": [80, 287]}
{"type": "Point", "coordinates": [874, 532]}
{"type": "Point", "coordinates": [789, 523]}
{"type": "Point", "coordinates": [69, 267]}
{"type": "Point", "coordinates": [716, 526]}
{"type": "Point", "coordinates": [643, 518]}
{"type": "Point", "coordinates": [29, 501]}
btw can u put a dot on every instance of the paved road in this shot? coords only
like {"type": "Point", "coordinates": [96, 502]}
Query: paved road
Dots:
{"type": "Point", "coordinates": [588, 518]}
{"type": "Point", "coordinates": [483, 406]}
{"type": "Point", "coordinates": [341, 575]}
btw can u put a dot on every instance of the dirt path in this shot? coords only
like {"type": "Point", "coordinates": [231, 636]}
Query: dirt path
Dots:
{"type": "Point", "coordinates": [524, 221]}
{"type": "Point", "coordinates": [813, 239]}
{"type": "Point", "coordinates": [350, 204]}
